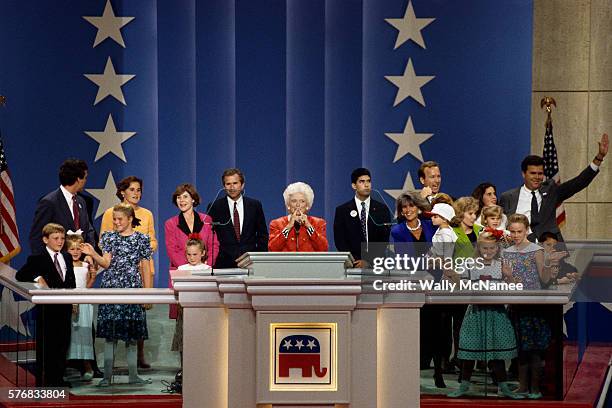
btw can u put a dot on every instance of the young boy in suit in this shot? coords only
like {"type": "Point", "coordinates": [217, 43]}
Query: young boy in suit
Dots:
{"type": "Point", "coordinates": [51, 269]}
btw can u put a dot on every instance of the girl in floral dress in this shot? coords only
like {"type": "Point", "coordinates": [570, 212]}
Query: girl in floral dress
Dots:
{"type": "Point", "coordinates": [125, 257]}
{"type": "Point", "coordinates": [524, 261]}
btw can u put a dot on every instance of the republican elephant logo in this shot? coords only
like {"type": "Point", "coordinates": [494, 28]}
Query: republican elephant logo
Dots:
{"type": "Point", "coordinates": [303, 352]}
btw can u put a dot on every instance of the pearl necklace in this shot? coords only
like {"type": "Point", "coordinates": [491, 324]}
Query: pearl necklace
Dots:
{"type": "Point", "coordinates": [415, 228]}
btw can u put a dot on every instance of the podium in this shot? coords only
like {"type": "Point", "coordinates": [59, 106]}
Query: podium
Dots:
{"type": "Point", "coordinates": [293, 329]}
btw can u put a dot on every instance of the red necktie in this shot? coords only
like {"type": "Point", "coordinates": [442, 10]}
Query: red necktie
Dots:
{"type": "Point", "coordinates": [75, 211]}
{"type": "Point", "coordinates": [236, 222]}
{"type": "Point", "coordinates": [57, 266]}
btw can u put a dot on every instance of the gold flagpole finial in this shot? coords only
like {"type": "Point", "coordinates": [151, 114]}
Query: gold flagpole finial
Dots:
{"type": "Point", "coordinates": [2, 100]}
{"type": "Point", "coordinates": [547, 103]}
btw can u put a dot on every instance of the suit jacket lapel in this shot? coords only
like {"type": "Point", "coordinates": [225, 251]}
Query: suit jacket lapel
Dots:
{"type": "Point", "coordinates": [355, 222]}
{"type": "Point", "coordinates": [372, 215]}
{"type": "Point", "coordinates": [54, 280]}
{"type": "Point", "coordinates": [514, 200]}
{"type": "Point", "coordinates": [247, 216]}
{"type": "Point", "coordinates": [65, 210]}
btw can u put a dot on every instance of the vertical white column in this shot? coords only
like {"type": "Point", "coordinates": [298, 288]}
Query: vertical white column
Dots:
{"type": "Point", "coordinates": [205, 350]}
{"type": "Point", "coordinates": [398, 358]}
{"type": "Point", "coordinates": [363, 358]}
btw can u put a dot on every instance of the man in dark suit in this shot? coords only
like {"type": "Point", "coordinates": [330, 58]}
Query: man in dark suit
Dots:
{"type": "Point", "coordinates": [51, 269]}
{"type": "Point", "coordinates": [64, 206]}
{"type": "Point", "coordinates": [240, 223]}
{"type": "Point", "coordinates": [538, 199]}
{"type": "Point", "coordinates": [361, 220]}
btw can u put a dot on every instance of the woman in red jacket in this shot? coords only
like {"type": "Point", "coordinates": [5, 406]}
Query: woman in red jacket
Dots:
{"type": "Point", "coordinates": [298, 232]}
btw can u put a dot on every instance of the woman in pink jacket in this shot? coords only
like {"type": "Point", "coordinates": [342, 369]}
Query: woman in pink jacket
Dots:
{"type": "Point", "coordinates": [188, 223]}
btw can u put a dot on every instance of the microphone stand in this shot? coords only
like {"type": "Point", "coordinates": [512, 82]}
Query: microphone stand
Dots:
{"type": "Point", "coordinates": [393, 218]}
{"type": "Point", "coordinates": [214, 224]}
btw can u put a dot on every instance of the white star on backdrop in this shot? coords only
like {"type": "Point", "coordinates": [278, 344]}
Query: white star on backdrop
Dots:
{"type": "Point", "coordinates": [409, 85]}
{"type": "Point", "coordinates": [11, 311]}
{"type": "Point", "coordinates": [106, 196]}
{"type": "Point", "coordinates": [110, 140]}
{"type": "Point", "coordinates": [311, 344]}
{"type": "Point", "coordinates": [108, 25]}
{"type": "Point", "coordinates": [109, 83]}
{"type": "Point", "coordinates": [408, 185]}
{"type": "Point", "coordinates": [409, 27]}
{"type": "Point", "coordinates": [409, 141]}
{"type": "Point", "coordinates": [287, 344]}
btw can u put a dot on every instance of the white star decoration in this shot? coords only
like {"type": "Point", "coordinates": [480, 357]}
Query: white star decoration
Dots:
{"type": "Point", "coordinates": [105, 195]}
{"type": "Point", "coordinates": [11, 311]}
{"type": "Point", "coordinates": [409, 85]}
{"type": "Point", "coordinates": [287, 344]}
{"type": "Point", "coordinates": [299, 344]}
{"type": "Point", "coordinates": [409, 27]}
{"type": "Point", "coordinates": [408, 185]}
{"type": "Point", "coordinates": [110, 140]}
{"type": "Point", "coordinates": [409, 141]}
{"type": "Point", "coordinates": [109, 83]}
{"type": "Point", "coordinates": [311, 344]}
{"type": "Point", "coordinates": [108, 25]}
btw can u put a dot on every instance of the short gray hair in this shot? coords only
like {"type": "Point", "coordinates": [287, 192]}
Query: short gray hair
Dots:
{"type": "Point", "coordinates": [299, 187]}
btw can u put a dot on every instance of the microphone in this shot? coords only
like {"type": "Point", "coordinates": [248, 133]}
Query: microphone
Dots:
{"type": "Point", "coordinates": [384, 224]}
{"type": "Point", "coordinates": [296, 227]}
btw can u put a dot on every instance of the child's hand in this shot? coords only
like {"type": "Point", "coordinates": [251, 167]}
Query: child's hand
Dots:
{"type": "Point", "coordinates": [75, 310]}
{"type": "Point", "coordinates": [41, 283]}
{"type": "Point", "coordinates": [147, 306]}
{"type": "Point", "coordinates": [507, 268]}
{"type": "Point", "coordinates": [87, 249]}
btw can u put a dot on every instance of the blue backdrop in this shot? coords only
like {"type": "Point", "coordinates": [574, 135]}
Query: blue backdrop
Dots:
{"type": "Point", "coordinates": [286, 90]}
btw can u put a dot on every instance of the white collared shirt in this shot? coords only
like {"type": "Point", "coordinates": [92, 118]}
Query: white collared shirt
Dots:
{"type": "Point", "coordinates": [367, 208]}
{"type": "Point", "coordinates": [524, 203]}
{"type": "Point", "coordinates": [239, 207]}
{"type": "Point", "coordinates": [68, 197]}
{"type": "Point", "coordinates": [60, 259]}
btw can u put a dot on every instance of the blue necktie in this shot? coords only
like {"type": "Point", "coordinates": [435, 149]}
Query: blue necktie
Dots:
{"type": "Point", "coordinates": [363, 220]}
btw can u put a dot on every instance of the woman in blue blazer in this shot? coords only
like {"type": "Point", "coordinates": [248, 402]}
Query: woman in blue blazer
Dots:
{"type": "Point", "coordinates": [411, 225]}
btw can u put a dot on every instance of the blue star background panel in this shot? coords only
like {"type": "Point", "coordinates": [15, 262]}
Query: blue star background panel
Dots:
{"type": "Point", "coordinates": [287, 90]}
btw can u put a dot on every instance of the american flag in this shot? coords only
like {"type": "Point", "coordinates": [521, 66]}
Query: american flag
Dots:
{"type": "Point", "coordinates": [9, 235]}
{"type": "Point", "coordinates": [551, 165]}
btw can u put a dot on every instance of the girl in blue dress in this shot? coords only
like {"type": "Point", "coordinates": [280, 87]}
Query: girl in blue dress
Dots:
{"type": "Point", "coordinates": [524, 261]}
{"type": "Point", "coordinates": [125, 258]}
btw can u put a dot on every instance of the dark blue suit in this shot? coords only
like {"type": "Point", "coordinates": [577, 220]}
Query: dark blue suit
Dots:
{"type": "Point", "coordinates": [52, 321]}
{"type": "Point", "coordinates": [54, 208]}
{"type": "Point", "coordinates": [254, 235]}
